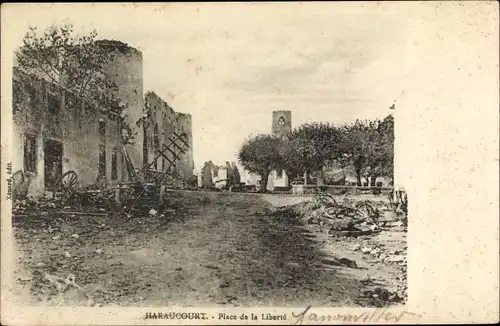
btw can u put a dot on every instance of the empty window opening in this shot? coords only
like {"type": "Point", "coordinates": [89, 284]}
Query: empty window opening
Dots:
{"type": "Point", "coordinates": [30, 153]}
{"type": "Point", "coordinates": [102, 129]}
{"type": "Point", "coordinates": [54, 104]}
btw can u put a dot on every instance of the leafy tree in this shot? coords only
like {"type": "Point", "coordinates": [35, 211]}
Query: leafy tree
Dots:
{"type": "Point", "coordinates": [368, 146]}
{"type": "Point", "coordinates": [357, 146]}
{"type": "Point", "coordinates": [76, 64]}
{"type": "Point", "coordinates": [310, 147]}
{"type": "Point", "coordinates": [381, 162]}
{"type": "Point", "coordinates": [260, 154]}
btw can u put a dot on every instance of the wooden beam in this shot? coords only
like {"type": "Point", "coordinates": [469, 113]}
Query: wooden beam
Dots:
{"type": "Point", "coordinates": [179, 147]}
{"type": "Point", "coordinates": [175, 139]}
{"type": "Point", "coordinates": [180, 137]}
{"type": "Point", "coordinates": [164, 156]}
{"type": "Point", "coordinates": [171, 151]}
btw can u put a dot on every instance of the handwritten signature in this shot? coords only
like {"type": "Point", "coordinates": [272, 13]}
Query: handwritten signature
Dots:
{"type": "Point", "coordinates": [383, 315]}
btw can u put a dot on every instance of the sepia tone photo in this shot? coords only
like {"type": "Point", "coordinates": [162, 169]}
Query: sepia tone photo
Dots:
{"type": "Point", "coordinates": [186, 162]}
{"type": "Point", "coordinates": [110, 206]}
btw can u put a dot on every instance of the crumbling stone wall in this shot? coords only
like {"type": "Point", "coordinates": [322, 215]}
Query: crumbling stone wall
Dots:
{"type": "Point", "coordinates": [168, 121]}
{"type": "Point", "coordinates": [186, 163]}
{"type": "Point", "coordinates": [71, 122]}
{"type": "Point", "coordinates": [126, 71]}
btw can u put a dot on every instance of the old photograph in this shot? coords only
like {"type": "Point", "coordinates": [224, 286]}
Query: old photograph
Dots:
{"type": "Point", "coordinates": [217, 156]}
{"type": "Point", "coordinates": [127, 193]}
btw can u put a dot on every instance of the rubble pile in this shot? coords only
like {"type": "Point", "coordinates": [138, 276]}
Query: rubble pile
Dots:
{"type": "Point", "coordinates": [347, 217]}
{"type": "Point", "coordinates": [85, 199]}
{"type": "Point", "coordinates": [41, 204]}
{"type": "Point", "coordinates": [96, 200]}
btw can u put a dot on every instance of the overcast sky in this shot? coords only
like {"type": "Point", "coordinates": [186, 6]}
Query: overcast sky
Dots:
{"type": "Point", "coordinates": [231, 65]}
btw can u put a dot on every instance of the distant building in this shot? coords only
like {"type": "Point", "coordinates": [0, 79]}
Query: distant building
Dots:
{"type": "Point", "coordinates": [236, 173]}
{"type": "Point", "coordinates": [205, 177]}
{"type": "Point", "coordinates": [281, 126]}
{"type": "Point", "coordinates": [221, 177]}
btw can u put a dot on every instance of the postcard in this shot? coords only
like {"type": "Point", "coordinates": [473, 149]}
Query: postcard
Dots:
{"type": "Point", "coordinates": [250, 163]}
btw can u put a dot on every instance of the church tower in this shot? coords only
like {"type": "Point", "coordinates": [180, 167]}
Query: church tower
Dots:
{"type": "Point", "coordinates": [282, 123]}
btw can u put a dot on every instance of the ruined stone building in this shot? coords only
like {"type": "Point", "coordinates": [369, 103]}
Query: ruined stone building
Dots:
{"type": "Point", "coordinates": [160, 125]}
{"type": "Point", "coordinates": [206, 175]}
{"type": "Point", "coordinates": [56, 132]}
{"type": "Point", "coordinates": [218, 176]}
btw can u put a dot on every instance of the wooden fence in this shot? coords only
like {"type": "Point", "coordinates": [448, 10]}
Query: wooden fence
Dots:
{"type": "Point", "coordinates": [336, 189]}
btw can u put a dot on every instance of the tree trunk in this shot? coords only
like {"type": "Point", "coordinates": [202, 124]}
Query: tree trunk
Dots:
{"type": "Point", "coordinates": [320, 180]}
{"type": "Point", "coordinates": [263, 183]}
{"type": "Point", "coordinates": [306, 175]}
{"type": "Point", "coordinates": [358, 178]}
{"type": "Point", "coordinates": [374, 181]}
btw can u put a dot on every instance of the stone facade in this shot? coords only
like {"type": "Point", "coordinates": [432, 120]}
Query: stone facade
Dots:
{"type": "Point", "coordinates": [282, 123]}
{"type": "Point", "coordinates": [82, 138]}
{"type": "Point", "coordinates": [185, 166]}
{"type": "Point", "coordinates": [206, 175]}
{"type": "Point", "coordinates": [55, 132]}
{"type": "Point", "coordinates": [126, 71]}
{"type": "Point", "coordinates": [221, 177]}
{"type": "Point", "coordinates": [161, 123]}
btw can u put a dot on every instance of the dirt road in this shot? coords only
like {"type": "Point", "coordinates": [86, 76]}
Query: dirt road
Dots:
{"type": "Point", "coordinates": [215, 249]}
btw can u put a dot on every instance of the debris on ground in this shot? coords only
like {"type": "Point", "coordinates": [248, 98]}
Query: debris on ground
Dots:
{"type": "Point", "coordinates": [344, 222]}
{"type": "Point", "coordinates": [74, 242]}
{"type": "Point", "coordinates": [344, 218]}
{"type": "Point", "coordinates": [90, 200]}
{"type": "Point", "coordinates": [365, 226]}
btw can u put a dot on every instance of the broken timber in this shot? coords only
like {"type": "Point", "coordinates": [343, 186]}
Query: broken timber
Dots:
{"type": "Point", "coordinates": [142, 180]}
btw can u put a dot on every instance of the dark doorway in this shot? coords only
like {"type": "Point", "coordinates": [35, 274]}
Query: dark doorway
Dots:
{"type": "Point", "coordinates": [53, 151]}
